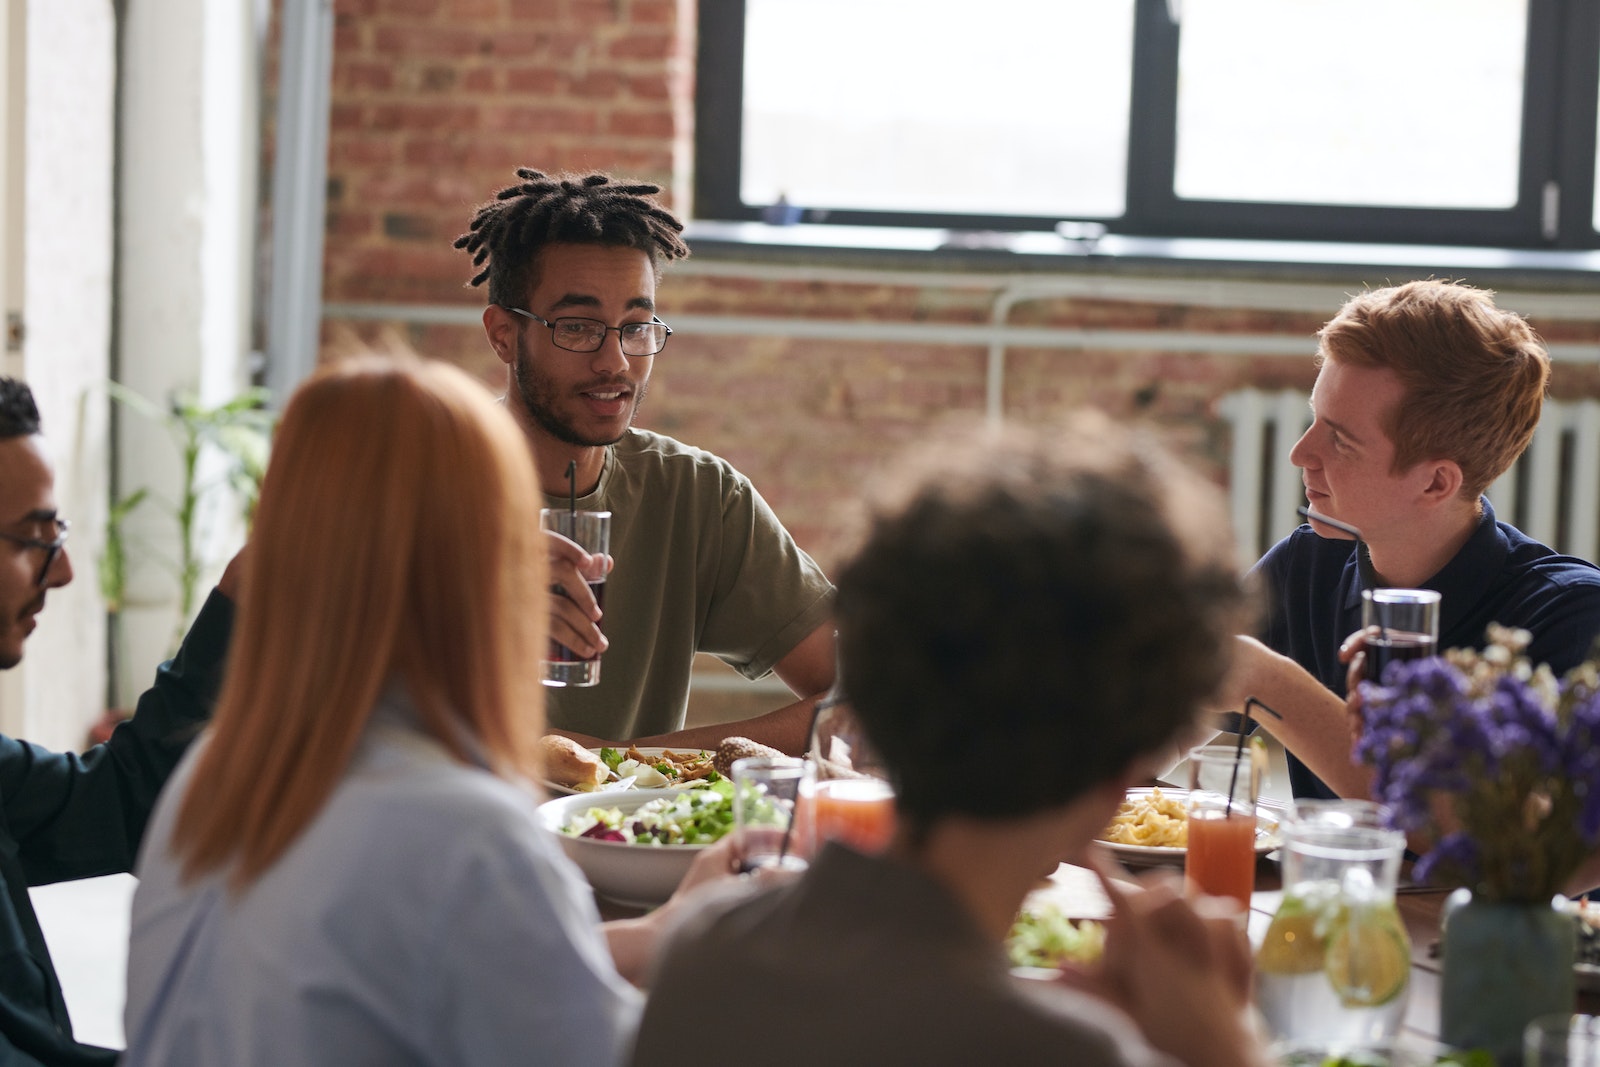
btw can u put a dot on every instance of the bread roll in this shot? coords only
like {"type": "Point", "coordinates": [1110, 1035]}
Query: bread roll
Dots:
{"type": "Point", "coordinates": [569, 764]}
{"type": "Point", "coordinates": [736, 748]}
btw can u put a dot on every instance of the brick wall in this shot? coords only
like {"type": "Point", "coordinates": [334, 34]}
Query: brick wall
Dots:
{"type": "Point", "coordinates": [436, 101]}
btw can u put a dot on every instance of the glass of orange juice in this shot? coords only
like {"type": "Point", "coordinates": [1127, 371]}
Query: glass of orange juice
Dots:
{"type": "Point", "coordinates": [849, 799]}
{"type": "Point", "coordinates": [1221, 804]}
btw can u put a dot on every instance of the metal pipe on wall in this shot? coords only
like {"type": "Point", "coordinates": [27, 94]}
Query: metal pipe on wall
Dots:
{"type": "Point", "coordinates": [299, 194]}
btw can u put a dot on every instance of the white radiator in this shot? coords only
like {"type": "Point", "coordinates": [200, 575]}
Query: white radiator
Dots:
{"type": "Point", "coordinates": [1552, 493]}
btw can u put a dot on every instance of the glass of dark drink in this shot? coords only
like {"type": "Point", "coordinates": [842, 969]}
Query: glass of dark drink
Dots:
{"type": "Point", "coordinates": [591, 531]}
{"type": "Point", "coordinates": [1401, 625]}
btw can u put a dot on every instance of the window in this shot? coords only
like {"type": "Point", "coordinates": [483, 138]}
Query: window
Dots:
{"type": "Point", "coordinates": [1429, 121]}
{"type": "Point", "coordinates": [1595, 172]}
{"type": "Point", "coordinates": [827, 121]}
{"type": "Point", "coordinates": [1320, 111]}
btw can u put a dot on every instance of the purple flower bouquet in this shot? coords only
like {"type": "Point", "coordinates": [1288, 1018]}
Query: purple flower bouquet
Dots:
{"type": "Point", "coordinates": [1493, 761]}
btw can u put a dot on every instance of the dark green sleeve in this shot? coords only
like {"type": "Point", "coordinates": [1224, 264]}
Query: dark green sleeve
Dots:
{"type": "Point", "coordinates": [82, 816]}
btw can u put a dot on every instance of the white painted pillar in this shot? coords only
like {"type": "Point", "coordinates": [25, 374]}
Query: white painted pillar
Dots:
{"type": "Point", "coordinates": [66, 255]}
{"type": "Point", "coordinates": [189, 148]}
{"type": "Point", "coordinates": [13, 86]}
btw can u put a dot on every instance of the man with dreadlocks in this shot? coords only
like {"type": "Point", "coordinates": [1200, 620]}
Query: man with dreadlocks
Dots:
{"type": "Point", "coordinates": [702, 563]}
{"type": "Point", "coordinates": [66, 816]}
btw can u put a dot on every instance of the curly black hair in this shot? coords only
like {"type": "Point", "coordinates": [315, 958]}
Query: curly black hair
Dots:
{"type": "Point", "coordinates": [1031, 613]}
{"type": "Point", "coordinates": [19, 415]}
{"type": "Point", "coordinates": [509, 231]}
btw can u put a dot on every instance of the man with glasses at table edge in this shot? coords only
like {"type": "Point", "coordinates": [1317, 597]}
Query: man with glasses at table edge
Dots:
{"type": "Point", "coordinates": [1426, 393]}
{"type": "Point", "coordinates": [66, 816]}
{"type": "Point", "coordinates": [703, 565]}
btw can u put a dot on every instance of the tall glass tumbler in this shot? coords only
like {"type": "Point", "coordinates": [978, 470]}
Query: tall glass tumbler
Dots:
{"type": "Point", "coordinates": [1401, 625]}
{"type": "Point", "coordinates": [1562, 1041]}
{"type": "Point", "coordinates": [850, 800]}
{"type": "Point", "coordinates": [1221, 856]}
{"type": "Point", "coordinates": [591, 531]}
{"type": "Point", "coordinates": [766, 799]}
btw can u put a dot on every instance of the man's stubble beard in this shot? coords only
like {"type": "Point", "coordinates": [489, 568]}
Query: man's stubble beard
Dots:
{"type": "Point", "coordinates": [540, 406]}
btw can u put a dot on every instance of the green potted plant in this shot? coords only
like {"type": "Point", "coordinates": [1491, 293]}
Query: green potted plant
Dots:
{"type": "Point", "coordinates": [240, 431]}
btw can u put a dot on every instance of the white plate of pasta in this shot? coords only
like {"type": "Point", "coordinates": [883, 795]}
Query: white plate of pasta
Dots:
{"type": "Point", "coordinates": [1150, 827]}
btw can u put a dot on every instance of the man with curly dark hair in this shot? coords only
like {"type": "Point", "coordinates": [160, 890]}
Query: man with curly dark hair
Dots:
{"type": "Point", "coordinates": [68, 816]}
{"type": "Point", "coordinates": [1032, 621]}
{"type": "Point", "coordinates": [702, 563]}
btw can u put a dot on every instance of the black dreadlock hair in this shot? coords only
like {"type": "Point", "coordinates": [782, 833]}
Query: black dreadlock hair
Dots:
{"type": "Point", "coordinates": [19, 415]}
{"type": "Point", "coordinates": [510, 230]}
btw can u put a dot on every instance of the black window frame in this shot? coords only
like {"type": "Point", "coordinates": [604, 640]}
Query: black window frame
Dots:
{"type": "Point", "coordinates": [1557, 146]}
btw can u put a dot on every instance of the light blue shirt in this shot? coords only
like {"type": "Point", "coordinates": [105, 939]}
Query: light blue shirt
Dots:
{"type": "Point", "coordinates": [422, 918]}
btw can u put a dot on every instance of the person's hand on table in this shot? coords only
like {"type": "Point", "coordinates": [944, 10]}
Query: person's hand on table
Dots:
{"type": "Point", "coordinates": [718, 866]}
{"type": "Point", "coordinates": [574, 612]}
{"type": "Point", "coordinates": [1180, 968]}
{"type": "Point", "coordinates": [634, 942]}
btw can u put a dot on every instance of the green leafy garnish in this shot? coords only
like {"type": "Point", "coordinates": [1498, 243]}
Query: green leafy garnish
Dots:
{"type": "Point", "coordinates": [1472, 1057]}
{"type": "Point", "coordinates": [1047, 938]}
{"type": "Point", "coordinates": [697, 816]}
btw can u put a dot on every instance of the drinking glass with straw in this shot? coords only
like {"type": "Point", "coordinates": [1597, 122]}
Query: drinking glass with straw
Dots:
{"type": "Point", "coordinates": [850, 800]}
{"type": "Point", "coordinates": [1224, 785]}
{"type": "Point", "coordinates": [590, 531]}
{"type": "Point", "coordinates": [766, 806]}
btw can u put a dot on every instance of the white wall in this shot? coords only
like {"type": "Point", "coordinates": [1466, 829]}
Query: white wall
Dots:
{"type": "Point", "coordinates": [182, 306]}
{"type": "Point", "coordinates": [66, 265]}
{"type": "Point", "coordinates": [188, 187]}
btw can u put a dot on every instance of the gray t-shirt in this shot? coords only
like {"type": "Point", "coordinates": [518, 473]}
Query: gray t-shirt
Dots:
{"type": "Point", "coordinates": [702, 565]}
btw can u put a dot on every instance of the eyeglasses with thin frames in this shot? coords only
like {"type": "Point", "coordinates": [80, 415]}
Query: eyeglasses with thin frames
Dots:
{"type": "Point", "coordinates": [587, 335]}
{"type": "Point", "coordinates": [51, 549]}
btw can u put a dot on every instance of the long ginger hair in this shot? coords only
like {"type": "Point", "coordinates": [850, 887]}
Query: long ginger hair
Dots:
{"type": "Point", "coordinates": [397, 537]}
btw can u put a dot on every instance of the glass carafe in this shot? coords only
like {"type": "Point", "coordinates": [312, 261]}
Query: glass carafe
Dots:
{"type": "Point", "coordinates": [1333, 971]}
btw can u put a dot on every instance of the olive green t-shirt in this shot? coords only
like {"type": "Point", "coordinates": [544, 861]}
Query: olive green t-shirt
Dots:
{"type": "Point", "coordinates": [701, 565]}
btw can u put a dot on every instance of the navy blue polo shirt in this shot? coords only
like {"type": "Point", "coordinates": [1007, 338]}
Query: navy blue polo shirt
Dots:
{"type": "Point", "coordinates": [1500, 575]}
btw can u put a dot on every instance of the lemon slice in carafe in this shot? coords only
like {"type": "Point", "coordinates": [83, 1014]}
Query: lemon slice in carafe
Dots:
{"type": "Point", "coordinates": [1368, 958]}
{"type": "Point", "coordinates": [1292, 945]}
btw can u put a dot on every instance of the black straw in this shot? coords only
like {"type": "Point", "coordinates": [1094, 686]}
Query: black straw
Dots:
{"type": "Point", "coordinates": [572, 492]}
{"type": "Point", "coordinates": [1335, 523]}
{"type": "Point", "coordinates": [823, 703]}
{"type": "Point", "coordinates": [1238, 752]}
{"type": "Point", "coordinates": [1364, 568]}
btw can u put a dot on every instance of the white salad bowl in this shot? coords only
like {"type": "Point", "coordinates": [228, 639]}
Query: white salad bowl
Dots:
{"type": "Point", "coordinates": [634, 875]}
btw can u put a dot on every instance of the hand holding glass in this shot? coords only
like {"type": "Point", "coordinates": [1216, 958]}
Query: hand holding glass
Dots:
{"type": "Point", "coordinates": [590, 531]}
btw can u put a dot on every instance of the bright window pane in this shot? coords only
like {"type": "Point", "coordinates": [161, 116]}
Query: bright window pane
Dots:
{"type": "Point", "coordinates": [881, 105]}
{"type": "Point", "coordinates": [1405, 103]}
